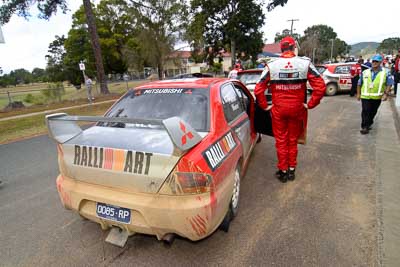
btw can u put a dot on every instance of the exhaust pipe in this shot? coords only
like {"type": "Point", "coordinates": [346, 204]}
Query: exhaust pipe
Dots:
{"type": "Point", "coordinates": [168, 239]}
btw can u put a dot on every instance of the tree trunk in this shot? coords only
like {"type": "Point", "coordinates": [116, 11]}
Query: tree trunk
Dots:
{"type": "Point", "coordinates": [233, 52]}
{"type": "Point", "coordinates": [101, 77]}
{"type": "Point", "coordinates": [160, 69]}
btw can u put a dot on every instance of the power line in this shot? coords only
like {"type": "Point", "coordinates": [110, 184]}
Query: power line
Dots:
{"type": "Point", "coordinates": [291, 28]}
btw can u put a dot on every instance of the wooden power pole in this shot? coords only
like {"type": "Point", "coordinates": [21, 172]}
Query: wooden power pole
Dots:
{"type": "Point", "coordinates": [291, 27]}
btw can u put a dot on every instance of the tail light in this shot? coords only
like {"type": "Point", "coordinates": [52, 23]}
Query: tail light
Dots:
{"type": "Point", "coordinates": [187, 183]}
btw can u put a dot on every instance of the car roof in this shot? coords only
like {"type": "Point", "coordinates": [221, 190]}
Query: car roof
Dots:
{"type": "Point", "coordinates": [341, 64]}
{"type": "Point", "coordinates": [183, 83]}
{"type": "Point", "coordinates": [251, 71]}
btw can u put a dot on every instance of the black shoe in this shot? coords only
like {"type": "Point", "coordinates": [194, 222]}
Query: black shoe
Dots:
{"type": "Point", "coordinates": [282, 176]}
{"type": "Point", "coordinates": [291, 175]}
{"type": "Point", "coordinates": [364, 131]}
{"type": "Point", "coordinates": [259, 138]}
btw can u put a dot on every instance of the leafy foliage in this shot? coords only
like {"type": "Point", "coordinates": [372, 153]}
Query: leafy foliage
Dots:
{"type": "Point", "coordinates": [160, 26]}
{"type": "Point", "coordinates": [55, 60]}
{"type": "Point", "coordinates": [54, 91]}
{"type": "Point", "coordinates": [389, 46]}
{"type": "Point", "coordinates": [323, 40]}
{"type": "Point", "coordinates": [226, 25]}
{"type": "Point", "coordinates": [46, 7]}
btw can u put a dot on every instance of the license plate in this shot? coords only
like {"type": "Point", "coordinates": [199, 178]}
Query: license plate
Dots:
{"type": "Point", "coordinates": [113, 213]}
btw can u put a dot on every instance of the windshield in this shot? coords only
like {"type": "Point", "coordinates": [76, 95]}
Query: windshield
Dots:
{"type": "Point", "coordinates": [249, 77]}
{"type": "Point", "coordinates": [191, 105]}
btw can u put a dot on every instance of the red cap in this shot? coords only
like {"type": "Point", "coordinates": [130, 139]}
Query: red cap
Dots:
{"type": "Point", "coordinates": [287, 42]}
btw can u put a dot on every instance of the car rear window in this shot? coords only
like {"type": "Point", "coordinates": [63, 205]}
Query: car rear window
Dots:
{"type": "Point", "coordinates": [249, 77]}
{"type": "Point", "coordinates": [320, 69]}
{"type": "Point", "coordinates": [189, 104]}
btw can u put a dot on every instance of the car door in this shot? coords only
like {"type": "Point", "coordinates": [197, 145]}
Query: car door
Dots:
{"type": "Point", "coordinates": [235, 104]}
{"type": "Point", "coordinates": [343, 72]}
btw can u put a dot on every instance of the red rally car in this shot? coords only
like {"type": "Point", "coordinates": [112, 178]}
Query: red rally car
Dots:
{"type": "Point", "coordinates": [167, 159]}
{"type": "Point", "coordinates": [337, 76]}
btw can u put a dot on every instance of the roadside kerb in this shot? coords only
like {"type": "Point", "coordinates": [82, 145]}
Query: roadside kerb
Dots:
{"type": "Point", "coordinates": [396, 112]}
{"type": "Point", "coordinates": [54, 110]}
{"type": "Point", "coordinates": [388, 186]}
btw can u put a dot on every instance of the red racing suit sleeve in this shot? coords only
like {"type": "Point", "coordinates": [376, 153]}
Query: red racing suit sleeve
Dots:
{"type": "Point", "coordinates": [261, 86]}
{"type": "Point", "coordinates": [318, 86]}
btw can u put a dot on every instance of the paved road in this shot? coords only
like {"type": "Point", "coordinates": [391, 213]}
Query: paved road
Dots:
{"type": "Point", "coordinates": [327, 217]}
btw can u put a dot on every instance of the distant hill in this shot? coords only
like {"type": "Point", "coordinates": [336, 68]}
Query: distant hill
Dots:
{"type": "Point", "coordinates": [364, 48]}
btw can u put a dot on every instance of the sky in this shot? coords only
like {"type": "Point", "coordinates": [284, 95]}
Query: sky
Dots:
{"type": "Point", "coordinates": [27, 42]}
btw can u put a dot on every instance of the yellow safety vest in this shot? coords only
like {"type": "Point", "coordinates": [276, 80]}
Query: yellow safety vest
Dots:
{"type": "Point", "coordinates": [373, 89]}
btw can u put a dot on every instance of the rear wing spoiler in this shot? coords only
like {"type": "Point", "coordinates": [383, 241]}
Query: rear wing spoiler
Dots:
{"type": "Point", "coordinates": [63, 127]}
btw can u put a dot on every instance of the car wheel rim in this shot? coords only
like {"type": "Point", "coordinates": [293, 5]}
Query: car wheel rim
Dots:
{"type": "Point", "coordinates": [331, 89]}
{"type": "Point", "coordinates": [236, 190]}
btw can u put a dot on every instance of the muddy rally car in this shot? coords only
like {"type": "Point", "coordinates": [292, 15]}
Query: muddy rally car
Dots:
{"type": "Point", "coordinates": [166, 159]}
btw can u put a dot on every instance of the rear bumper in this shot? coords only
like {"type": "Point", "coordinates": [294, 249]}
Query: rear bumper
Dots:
{"type": "Point", "coordinates": [193, 217]}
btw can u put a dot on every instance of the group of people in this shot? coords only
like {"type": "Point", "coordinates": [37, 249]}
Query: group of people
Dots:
{"type": "Point", "coordinates": [233, 74]}
{"type": "Point", "coordinates": [239, 67]}
{"type": "Point", "coordinates": [286, 77]}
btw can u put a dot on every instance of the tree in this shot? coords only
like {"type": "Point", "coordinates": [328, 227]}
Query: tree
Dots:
{"type": "Point", "coordinates": [115, 29]}
{"type": "Point", "coordinates": [47, 8]}
{"type": "Point", "coordinates": [160, 25]}
{"type": "Point", "coordinates": [231, 24]}
{"type": "Point", "coordinates": [389, 46]}
{"type": "Point", "coordinates": [226, 23]}
{"type": "Point", "coordinates": [94, 37]}
{"type": "Point", "coordinates": [274, 3]}
{"type": "Point", "coordinates": [55, 60]}
{"type": "Point", "coordinates": [322, 40]}
{"type": "Point", "coordinates": [39, 75]}
{"type": "Point", "coordinates": [20, 76]}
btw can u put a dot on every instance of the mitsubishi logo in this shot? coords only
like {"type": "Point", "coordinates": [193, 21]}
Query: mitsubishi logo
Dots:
{"type": "Point", "coordinates": [289, 65]}
{"type": "Point", "coordinates": [185, 134]}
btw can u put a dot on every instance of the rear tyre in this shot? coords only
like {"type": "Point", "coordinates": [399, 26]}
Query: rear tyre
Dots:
{"type": "Point", "coordinates": [234, 204]}
{"type": "Point", "coordinates": [331, 89]}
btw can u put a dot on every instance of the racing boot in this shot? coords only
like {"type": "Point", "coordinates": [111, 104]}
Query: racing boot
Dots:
{"type": "Point", "coordinates": [282, 176]}
{"type": "Point", "coordinates": [291, 174]}
{"type": "Point", "coordinates": [259, 138]}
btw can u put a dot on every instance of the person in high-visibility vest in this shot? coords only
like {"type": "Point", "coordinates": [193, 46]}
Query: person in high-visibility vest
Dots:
{"type": "Point", "coordinates": [373, 86]}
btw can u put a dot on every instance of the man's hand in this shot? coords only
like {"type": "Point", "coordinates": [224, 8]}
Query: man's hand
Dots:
{"type": "Point", "coordinates": [384, 97]}
{"type": "Point", "coordinates": [358, 97]}
{"type": "Point", "coordinates": [269, 107]}
{"type": "Point", "coordinates": [305, 105]}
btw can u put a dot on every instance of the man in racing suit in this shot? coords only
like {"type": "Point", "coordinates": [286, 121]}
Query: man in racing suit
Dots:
{"type": "Point", "coordinates": [287, 77]}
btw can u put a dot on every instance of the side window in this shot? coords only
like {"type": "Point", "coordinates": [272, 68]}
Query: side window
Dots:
{"type": "Point", "coordinates": [342, 70]}
{"type": "Point", "coordinates": [233, 107]}
{"type": "Point", "coordinates": [244, 99]}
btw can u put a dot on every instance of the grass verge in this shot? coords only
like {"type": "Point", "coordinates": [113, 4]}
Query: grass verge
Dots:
{"type": "Point", "coordinates": [71, 98]}
{"type": "Point", "coordinates": [12, 130]}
